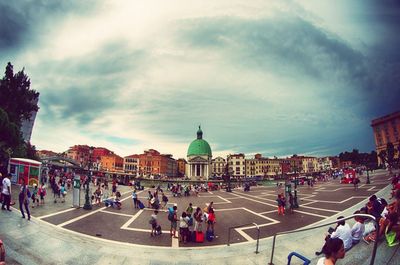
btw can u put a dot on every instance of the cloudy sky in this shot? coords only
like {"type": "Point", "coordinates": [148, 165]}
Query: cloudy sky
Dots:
{"type": "Point", "coordinates": [271, 77]}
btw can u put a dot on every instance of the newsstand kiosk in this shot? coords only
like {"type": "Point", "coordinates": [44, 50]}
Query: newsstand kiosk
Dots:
{"type": "Point", "coordinates": [23, 168]}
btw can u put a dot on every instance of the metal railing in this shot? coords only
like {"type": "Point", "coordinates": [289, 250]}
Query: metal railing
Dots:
{"type": "Point", "coordinates": [322, 225]}
{"type": "Point", "coordinates": [306, 261]}
{"type": "Point", "coordinates": [258, 234]}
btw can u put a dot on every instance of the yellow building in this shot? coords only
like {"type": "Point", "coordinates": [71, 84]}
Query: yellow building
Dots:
{"type": "Point", "coordinates": [263, 167]}
{"type": "Point", "coordinates": [112, 163]}
{"type": "Point", "coordinates": [310, 164]}
{"type": "Point", "coordinates": [386, 130]}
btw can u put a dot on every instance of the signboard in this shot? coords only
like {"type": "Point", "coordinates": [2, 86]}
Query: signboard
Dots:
{"type": "Point", "coordinates": [76, 194]}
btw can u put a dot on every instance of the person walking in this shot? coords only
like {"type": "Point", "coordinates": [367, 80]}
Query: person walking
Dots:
{"type": "Point", "coordinates": [280, 205]}
{"type": "Point", "coordinates": [291, 202]}
{"type": "Point", "coordinates": [174, 222]}
{"type": "Point", "coordinates": [149, 198]}
{"type": "Point", "coordinates": [42, 193]}
{"type": "Point", "coordinates": [6, 192]}
{"type": "Point", "coordinates": [153, 222]}
{"type": "Point", "coordinates": [164, 199]}
{"type": "Point", "coordinates": [189, 210]}
{"type": "Point", "coordinates": [34, 196]}
{"type": "Point", "coordinates": [134, 198]}
{"type": "Point", "coordinates": [24, 199]}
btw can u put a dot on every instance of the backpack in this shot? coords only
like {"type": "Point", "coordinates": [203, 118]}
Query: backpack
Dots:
{"type": "Point", "coordinates": [152, 221]}
{"type": "Point", "coordinates": [171, 216]}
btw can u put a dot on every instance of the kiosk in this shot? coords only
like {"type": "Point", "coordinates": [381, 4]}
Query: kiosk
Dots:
{"type": "Point", "coordinates": [24, 168]}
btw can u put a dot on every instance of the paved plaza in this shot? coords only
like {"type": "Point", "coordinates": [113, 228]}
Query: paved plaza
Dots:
{"type": "Point", "coordinates": [233, 209]}
{"type": "Point", "coordinates": [59, 234]}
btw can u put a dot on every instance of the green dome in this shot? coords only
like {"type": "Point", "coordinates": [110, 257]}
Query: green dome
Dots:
{"type": "Point", "coordinates": [199, 146]}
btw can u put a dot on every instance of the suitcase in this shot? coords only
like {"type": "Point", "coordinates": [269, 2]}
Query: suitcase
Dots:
{"type": "Point", "coordinates": [210, 235]}
{"type": "Point", "coordinates": [141, 205]}
{"type": "Point", "coordinates": [158, 230]}
{"type": "Point", "coordinates": [199, 237]}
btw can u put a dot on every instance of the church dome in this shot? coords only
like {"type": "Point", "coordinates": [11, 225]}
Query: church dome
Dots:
{"type": "Point", "coordinates": [199, 146]}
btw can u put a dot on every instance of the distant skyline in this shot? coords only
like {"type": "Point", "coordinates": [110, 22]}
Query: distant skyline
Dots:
{"type": "Point", "coordinates": [272, 77]}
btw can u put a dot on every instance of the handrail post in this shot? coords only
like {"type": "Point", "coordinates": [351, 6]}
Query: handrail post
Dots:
{"type": "Point", "coordinates": [258, 237]}
{"type": "Point", "coordinates": [273, 250]}
{"type": "Point", "coordinates": [375, 244]}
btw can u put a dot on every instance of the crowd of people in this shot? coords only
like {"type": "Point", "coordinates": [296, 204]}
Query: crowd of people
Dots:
{"type": "Point", "coordinates": [342, 238]}
{"type": "Point", "coordinates": [190, 223]}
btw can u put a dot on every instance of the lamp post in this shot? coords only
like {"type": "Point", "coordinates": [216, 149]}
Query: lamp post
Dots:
{"type": "Point", "coordinates": [88, 205]}
{"type": "Point", "coordinates": [295, 203]}
{"type": "Point", "coordinates": [228, 178]}
{"type": "Point", "coordinates": [368, 180]}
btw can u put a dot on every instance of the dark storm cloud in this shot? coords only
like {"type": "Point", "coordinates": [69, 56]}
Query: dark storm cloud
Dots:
{"type": "Point", "coordinates": [83, 88]}
{"type": "Point", "coordinates": [22, 21]}
{"type": "Point", "coordinates": [295, 48]}
{"type": "Point", "coordinates": [288, 45]}
{"type": "Point", "coordinates": [384, 19]}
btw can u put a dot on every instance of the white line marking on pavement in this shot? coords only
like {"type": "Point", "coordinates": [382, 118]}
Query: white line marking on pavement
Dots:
{"type": "Point", "coordinates": [230, 209]}
{"type": "Point", "coordinates": [319, 209]}
{"type": "Point", "coordinates": [370, 189]}
{"type": "Point", "coordinates": [175, 241]}
{"type": "Point", "coordinates": [353, 197]}
{"type": "Point", "coordinates": [52, 214]}
{"type": "Point", "coordinates": [137, 229]}
{"type": "Point", "coordinates": [247, 198]}
{"type": "Point", "coordinates": [262, 216]}
{"type": "Point", "coordinates": [243, 234]}
{"type": "Point", "coordinates": [121, 214]}
{"type": "Point", "coordinates": [224, 199]}
{"type": "Point", "coordinates": [210, 192]}
{"type": "Point", "coordinates": [313, 214]}
{"type": "Point", "coordinates": [125, 226]}
{"type": "Point", "coordinates": [80, 217]}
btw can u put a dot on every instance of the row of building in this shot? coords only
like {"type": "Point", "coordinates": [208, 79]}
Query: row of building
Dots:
{"type": "Point", "coordinates": [200, 164]}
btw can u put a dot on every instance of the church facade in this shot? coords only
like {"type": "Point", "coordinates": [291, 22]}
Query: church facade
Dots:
{"type": "Point", "coordinates": [199, 157]}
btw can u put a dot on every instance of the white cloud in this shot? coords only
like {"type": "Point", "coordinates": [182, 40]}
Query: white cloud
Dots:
{"type": "Point", "coordinates": [249, 92]}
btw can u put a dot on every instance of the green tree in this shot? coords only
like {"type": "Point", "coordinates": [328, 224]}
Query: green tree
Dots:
{"type": "Point", "coordinates": [17, 102]}
{"type": "Point", "coordinates": [17, 99]}
{"type": "Point", "coordinates": [31, 151]}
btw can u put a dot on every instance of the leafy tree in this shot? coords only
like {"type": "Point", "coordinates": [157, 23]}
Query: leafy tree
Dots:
{"type": "Point", "coordinates": [17, 99]}
{"type": "Point", "coordinates": [357, 158]}
{"type": "Point", "coordinates": [31, 151]}
{"type": "Point", "coordinates": [9, 132]}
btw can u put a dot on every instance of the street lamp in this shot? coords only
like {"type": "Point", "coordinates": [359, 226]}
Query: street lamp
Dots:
{"type": "Point", "coordinates": [228, 178]}
{"type": "Point", "coordinates": [368, 180]}
{"type": "Point", "coordinates": [88, 205]}
{"type": "Point", "coordinates": [295, 203]}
